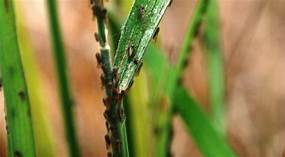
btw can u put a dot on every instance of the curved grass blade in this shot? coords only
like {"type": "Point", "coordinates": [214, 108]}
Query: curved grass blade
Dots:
{"type": "Point", "coordinates": [17, 105]}
{"type": "Point", "coordinates": [64, 90]}
{"type": "Point", "coordinates": [199, 126]}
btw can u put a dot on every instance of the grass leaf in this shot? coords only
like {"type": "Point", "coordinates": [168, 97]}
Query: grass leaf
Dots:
{"type": "Point", "coordinates": [64, 89]}
{"type": "Point", "coordinates": [136, 34]}
{"type": "Point", "coordinates": [17, 105]}
{"type": "Point", "coordinates": [215, 66]}
{"type": "Point", "coordinates": [209, 141]}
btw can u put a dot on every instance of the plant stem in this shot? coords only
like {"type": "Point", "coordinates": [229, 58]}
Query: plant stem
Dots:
{"type": "Point", "coordinates": [192, 31]}
{"type": "Point", "coordinates": [116, 138]}
{"type": "Point", "coordinates": [65, 94]}
{"type": "Point", "coordinates": [18, 115]}
{"type": "Point", "coordinates": [175, 73]}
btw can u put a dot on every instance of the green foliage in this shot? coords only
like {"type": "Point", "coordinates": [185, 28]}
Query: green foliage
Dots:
{"type": "Point", "coordinates": [215, 68]}
{"type": "Point", "coordinates": [45, 144]}
{"type": "Point", "coordinates": [64, 91]}
{"type": "Point", "coordinates": [156, 97]}
{"type": "Point", "coordinates": [135, 36]}
{"type": "Point", "coordinates": [17, 105]}
{"type": "Point", "coordinates": [199, 126]}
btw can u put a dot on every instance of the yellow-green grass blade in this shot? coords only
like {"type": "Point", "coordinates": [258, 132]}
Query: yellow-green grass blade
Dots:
{"type": "Point", "coordinates": [17, 105]}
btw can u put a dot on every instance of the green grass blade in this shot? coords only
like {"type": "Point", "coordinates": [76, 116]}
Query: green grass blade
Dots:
{"type": "Point", "coordinates": [209, 141]}
{"type": "Point", "coordinates": [45, 145]}
{"type": "Point", "coordinates": [64, 89]}
{"type": "Point", "coordinates": [157, 66]}
{"type": "Point", "coordinates": [137, 32]}
{"type": "Point", "coordinates": [140, 118]}
{"type": "Point", "coordinates": [215, 66]}
{"type": "Point", "coordinates": [17, 105]}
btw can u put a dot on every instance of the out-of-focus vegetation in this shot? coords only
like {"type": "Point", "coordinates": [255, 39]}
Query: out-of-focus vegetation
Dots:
{"type": "Point", "coordinates": [163, 84]}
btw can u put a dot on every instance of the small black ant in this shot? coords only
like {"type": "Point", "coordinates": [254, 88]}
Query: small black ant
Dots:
{"type": "Point", "coordinates": [96, 35]}
{"type": "Point", "coordinates": [130, 51]}
{"type": "Point", "coordinates": [156, 32]}
{"type": "Point", "coordinates": [170, 3]}
{"type": "Point", "coordinates": [142, 11]}
{"type": "Point", "coordinates": [98, 58]}
{"type": "Point", "coordinates": [22, 95]}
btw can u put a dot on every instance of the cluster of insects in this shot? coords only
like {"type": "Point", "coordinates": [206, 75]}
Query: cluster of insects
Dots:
{"type": "Point", "coordinates": [110, 78]}
{"type": "Point", "coordinates": [114, 112]}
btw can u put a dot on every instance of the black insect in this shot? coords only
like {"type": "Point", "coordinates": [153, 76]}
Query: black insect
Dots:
{"type": "Point", "coordinates": [17, 154]}
{"type": "Point", "coordinates": [22, 95]}
{"type": "Point", "coordinates": [96, 35]}
{"type": "Point", "coordinates": [136, 61]}
{"type": "Point", "coordinates": [115, 74]}
{"type": "Point", "coordinates": [103, 80]}
{"type": "Point", "coordinates": [130, 51]}
{"type": "Point", "coordinates": [98, 58]}
{"type": "Point", "coordinates": [156, 32]}
{"type": "Point", "coordinates": [109, 154]}
{"type": "Point", "coordinates": [106, 101]}
{"type": "Point", "coordinates": [106, 114]}
{"type": "Point", "coordinates": [1, 83]}
{"type": "Point", "coordinates": [170, 3]}
{"type": "Point", "coordinates": [108, 141]}
{"type": "Point", "coordinates": [98, 10]}
{"type": "Point", "coordinates": [142, 12]}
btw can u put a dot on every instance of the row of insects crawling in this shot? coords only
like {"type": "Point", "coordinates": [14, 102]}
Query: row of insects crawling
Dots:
{"type": "Point", "coordinates": [114, 112]}
{"type": "Point", "coordinates": [110, 79]}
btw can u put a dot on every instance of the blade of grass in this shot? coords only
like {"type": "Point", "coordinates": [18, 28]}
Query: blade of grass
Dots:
{"type": "Point", "coordinates": [199, 126]}
{"type": "Point", "coordinates": [140, 117]}
{"type": "Point", "coordinates": [17, 105]}
{"type": "Point", "coordinates": [139, 126]}
{"type": "Point", "coordinates": [215, 66]}
{"type": "Point", "coordinates": [45, 145]}
{"type": "Point", "coordinates": [136, 34]}
{"type": "Point", "coordinates": [64, 89]}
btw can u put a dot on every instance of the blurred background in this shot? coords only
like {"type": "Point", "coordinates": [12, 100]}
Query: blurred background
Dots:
{"type": "Point", "coordinates": [253, 44]}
